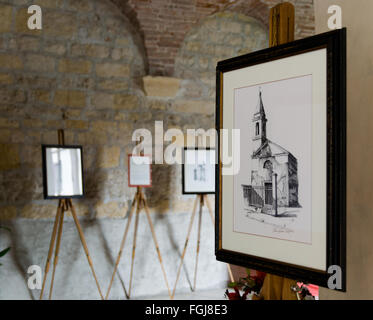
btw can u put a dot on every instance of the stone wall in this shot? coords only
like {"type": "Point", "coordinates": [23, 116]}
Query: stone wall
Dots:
{"type": "Point", "coordinates": [84, 72]}
{"type": "Point", "coordinates": [81, 73]}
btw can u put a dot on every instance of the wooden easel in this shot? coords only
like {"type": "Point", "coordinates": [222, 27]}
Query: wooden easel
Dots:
{"type": "Point", "coordinates": [202, 199]}
{"type": "Point", "coordinates": [64, 205]}
{"type": "Point", "coordinates": [139, 202]}
{"type": "Point", "coordinates": [281, 30]}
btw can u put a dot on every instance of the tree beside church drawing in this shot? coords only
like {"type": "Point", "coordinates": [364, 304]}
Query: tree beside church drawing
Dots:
{"type": "Point", "coordinates": [273, 187]}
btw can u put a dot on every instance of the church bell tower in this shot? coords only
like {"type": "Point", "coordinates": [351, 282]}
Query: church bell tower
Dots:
{"type": "Point", "coordinates": [260, 124]}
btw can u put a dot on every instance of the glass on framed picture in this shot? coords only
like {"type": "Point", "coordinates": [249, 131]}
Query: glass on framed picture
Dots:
{"type": "Point", "coordinates": [139, 171]}
{"type": "Point", "coordinates": [198, 171]}
{"type": "Point", "coordinates": [62, 171]}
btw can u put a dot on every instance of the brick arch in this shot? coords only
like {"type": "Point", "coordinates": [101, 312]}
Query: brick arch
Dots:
{"type": "Point", "coordinates": [163, 24]}
{"type": "Point", "coordinates": [257, 9]}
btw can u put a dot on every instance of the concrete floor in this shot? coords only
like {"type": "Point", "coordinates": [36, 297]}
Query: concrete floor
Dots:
{"type": "Point", "coordinates": [212, 294]}
{"type": "Point", "coordinates": [30, 241]}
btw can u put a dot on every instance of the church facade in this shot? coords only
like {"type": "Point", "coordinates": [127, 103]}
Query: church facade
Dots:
{"type": "Point", "coordinates": [274, 170]}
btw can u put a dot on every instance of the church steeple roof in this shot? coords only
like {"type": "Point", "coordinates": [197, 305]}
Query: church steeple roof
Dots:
{"type": "Point", "coordinates": [260, 106]}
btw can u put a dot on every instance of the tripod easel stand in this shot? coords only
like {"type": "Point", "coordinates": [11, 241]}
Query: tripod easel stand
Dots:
{"type": "Point", "coordinates": [202, 199]}
{"type": "Point", "coordinates": [139, 202]}
{"type": "Point", "coordinates": [63, 206]}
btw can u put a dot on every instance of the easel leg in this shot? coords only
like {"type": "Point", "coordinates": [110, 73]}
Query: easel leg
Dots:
{"type": "Point", "coordinates": [82, 239]}
{"type": "Point", "coordinates": [213, 223]}
{"type": "Point", "coordinates": [134, 242]}
{"type": "Point", "coordinates": [198, 240]}
{"type": "Point", "coordinates": [51, 246]}
{"type": "Point", "coordinates": [57, 250]}
{"type": "Point", "coordinates": [185, 245]}
{"type": "Point", "coordinates": [122, 246]}
{"type": "Point", "coordinates": [155, 242]}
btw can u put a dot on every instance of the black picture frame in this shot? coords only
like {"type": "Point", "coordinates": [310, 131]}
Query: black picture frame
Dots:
{"type": "Point", "coordinates": [44, 148]}
{"type": "Point", "coordinates": [335, 43]}
{"type": "Point", "coordinates": [183, 170]}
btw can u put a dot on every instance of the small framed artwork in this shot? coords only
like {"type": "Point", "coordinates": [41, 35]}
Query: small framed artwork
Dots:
{"type": "Point", "coordinates": [62, 171]}
{"type": "Point", "coordinates": [139, 171]}
{"type": "Point", "coordinates": [198, 171]}
{"type": "Point", "coordinates": [282, 209]}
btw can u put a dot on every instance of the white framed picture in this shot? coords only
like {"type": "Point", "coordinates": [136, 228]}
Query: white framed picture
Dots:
{"type": "Point", "coordinates": [198, 171]}
{"type": "Point", "coordinates": [62, 172]}
{"type": "Point", "coordinates": [139, 171]}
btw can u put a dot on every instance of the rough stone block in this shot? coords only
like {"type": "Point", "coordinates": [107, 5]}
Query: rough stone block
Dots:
{"type": "Point", "coordinates": [74, 66]}
{"type": "Point", "coordinates": [49, 3]}
{"type": "Point", "coordinates": [126, 102]}
{"type": "Point", "coordinates": [76, 124]}
{"type": "Point", "coordinates": [158, 104]}
{"type": "Point", "coordinates": [112, 84]}
{"type": "Point", "coordinates": [81, 5]}
{"type": "Point", "coordinates": [12, 96]}
{"type": "Point", "coordinates": [31, 156]}
{"type": "Point", "coordinates": [108, 70]}
{"type": "Point", "coordinates": [90, 50]}
{"type": "Point", "coordinates": [39, 211]}
{"type": "Point", "coordinates": [121, 53]}
{"type": "Point", "coordinates": [40, 63]}
{"type": "Point", "coordinates": [5, 135]}
{"type": "Point", "coordinates": [103, 127]}
{"type": "Point", "coordinates": [161, 86]}
{"type": "Point", "coordinates": [56, 48]}
{"type": "Point", "coordinates": [10, 61]}
{"type": "Point", "coordinates": [194, 106]}
{"type": "Point", "coordinates": [41, 95]}
{"type": "Point", "coordinates": [71, 81]}
{"type": "Point", "coordinates": [61, 25]}
{"type": "Point", "coordinates": [9, 156]}
{"type": "Point", "coordinates": [55, 124]}
{"type": "Point", "coordinates": [8, 123]}
{"type": "Point", "coordinates": [102, 100]}
{"type": "Point", "coordinates": [71, 98]}
{"type": "Point", "coordinates": [5, 18]}
{"type": "Point", "coordinates": [6, 78]}
{"type": "Point", "coordinates": [122, 42]}
{"type": "Point", "coordinates": [33, 123]}
{"type": "Point", "coordinates": [24, 43]}
{"type": "Point", "coordinates": [124, 133]}
{"type": "Point", "coordinates": [108, 157]}
{"type": "Point", "coordinates": [73, 113]}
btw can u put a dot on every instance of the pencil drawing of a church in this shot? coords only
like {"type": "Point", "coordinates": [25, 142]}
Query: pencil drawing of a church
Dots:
{"type": "Point", "coordinates": [274, 170]}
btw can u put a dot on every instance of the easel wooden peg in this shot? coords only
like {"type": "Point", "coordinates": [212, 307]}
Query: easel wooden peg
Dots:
{"type": "Point", "coordinates": [64, 205]}
{"type": "Point", "coordinates": [281, 24]}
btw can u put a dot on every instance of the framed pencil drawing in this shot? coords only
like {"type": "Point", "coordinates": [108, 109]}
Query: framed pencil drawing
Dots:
{"type": "Point", "coordinates": [198, 171]}
{"type": "Point", "coordinates": [283, 210]}
{"type": "Point", "coordinates": [62, 171]}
